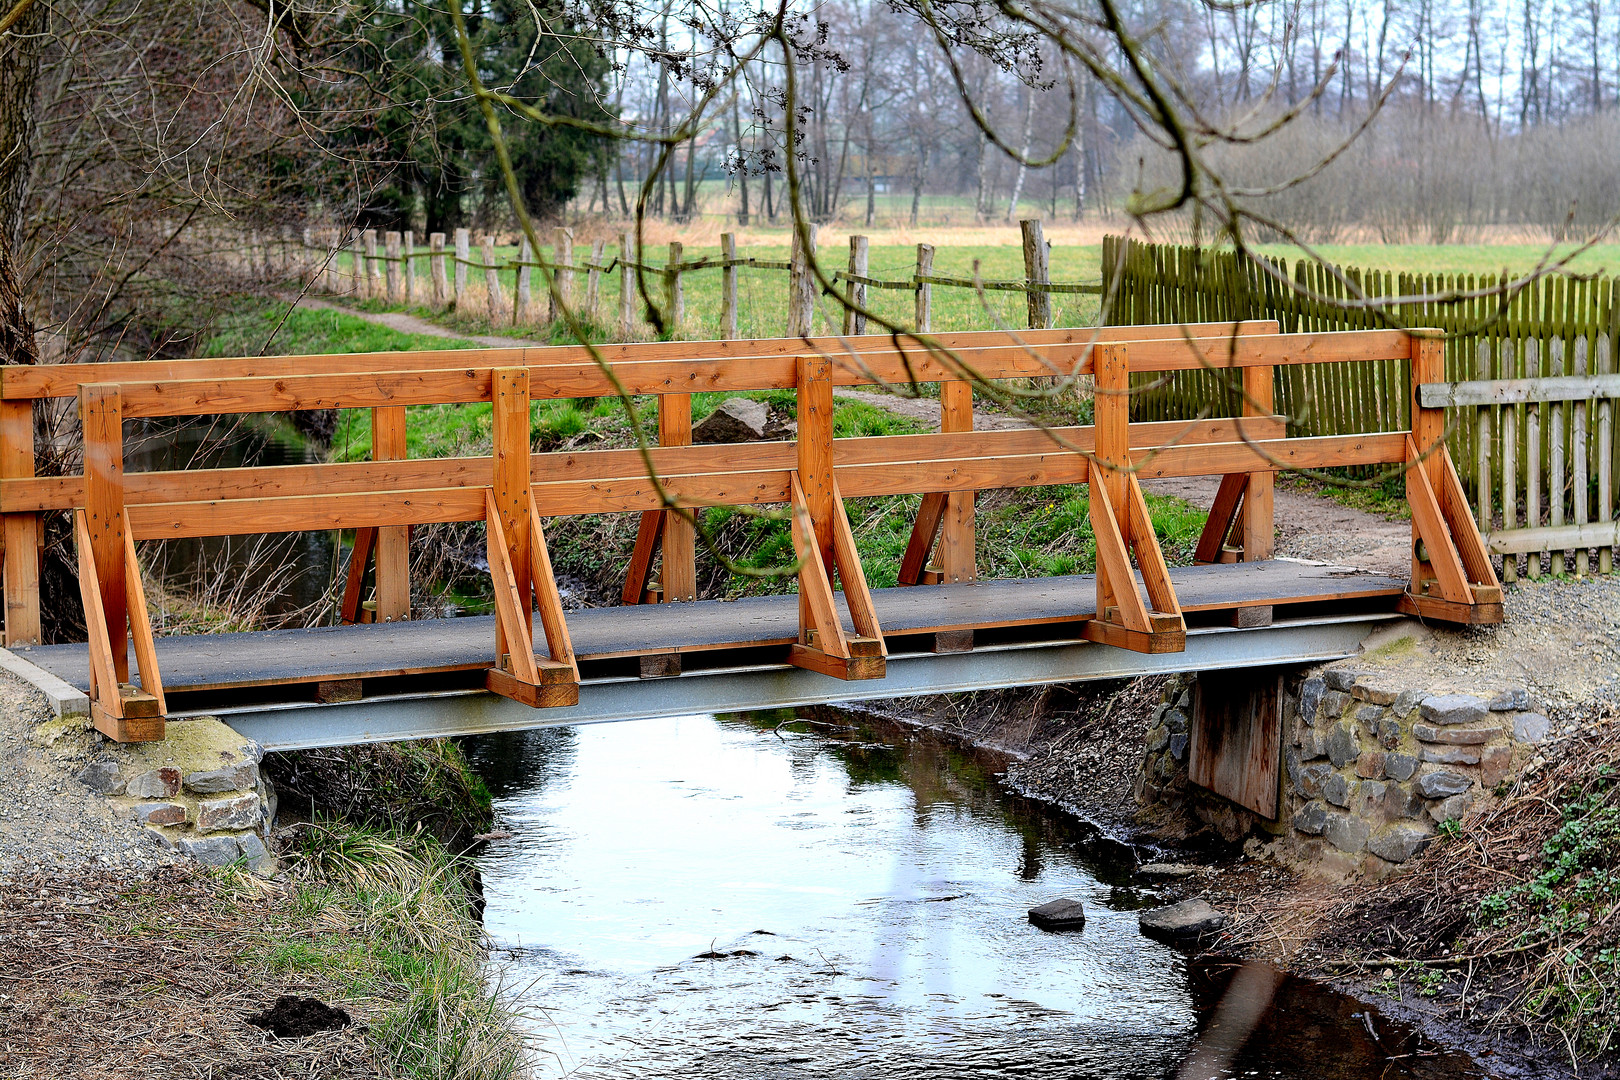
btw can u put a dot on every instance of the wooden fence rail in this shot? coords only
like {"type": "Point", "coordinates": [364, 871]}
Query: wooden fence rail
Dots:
{"type": "Point", "coordinates": [1539, 454]}
{"type": "Point", "coordinates": [514, 490]}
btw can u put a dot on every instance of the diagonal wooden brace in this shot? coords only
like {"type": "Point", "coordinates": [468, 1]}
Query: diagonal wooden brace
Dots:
{"type": "Point", "coordinates": [518, 674]}
{"type": "Point", "coordinates": [649, 536]}
{"type": "Point", "coordinates": [823, 645]}
{"type": "Point", "coordinates": [1225, 519]}
{"type": "Point", "coordinates": [1124, 619]}
{"type": "Point", "coordinates": [120, 711]}
{"type": "Point", "coordinates": [1452, 576]}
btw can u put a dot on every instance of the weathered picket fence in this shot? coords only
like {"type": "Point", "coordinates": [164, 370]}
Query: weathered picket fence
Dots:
{"type": "Point", "coordinates": [354, 263]}
{"type": "Point", "coordinates": [1531, 378]}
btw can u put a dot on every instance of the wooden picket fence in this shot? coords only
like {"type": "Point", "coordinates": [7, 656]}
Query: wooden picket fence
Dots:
{"type": "Point", "coordinates": [451, 273]}
{"type": "Point", "coordinates": [1532, 384]}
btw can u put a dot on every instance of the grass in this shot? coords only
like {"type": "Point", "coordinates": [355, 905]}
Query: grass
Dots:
{"type": "Point", "coordinates": [258, 327]}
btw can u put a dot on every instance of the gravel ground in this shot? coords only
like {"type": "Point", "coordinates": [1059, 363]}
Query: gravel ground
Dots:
{"type": "Point", "coordinates": [48, 819]}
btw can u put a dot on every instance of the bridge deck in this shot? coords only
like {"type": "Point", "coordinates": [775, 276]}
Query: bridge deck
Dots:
{"type": "Point", "coordinates": [219, 670]}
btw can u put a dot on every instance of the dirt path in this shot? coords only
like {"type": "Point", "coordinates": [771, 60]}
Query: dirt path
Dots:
{"type": "Point", "coordinates": [1308, 526]}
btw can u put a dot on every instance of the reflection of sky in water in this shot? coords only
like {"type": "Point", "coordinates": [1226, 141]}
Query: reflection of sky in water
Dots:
{"type": "Point", "coordinates": [894, 918]}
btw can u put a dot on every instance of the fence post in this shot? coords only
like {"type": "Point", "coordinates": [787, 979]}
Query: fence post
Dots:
{"type": "Point", "coordinates": [802, 294]}
{"type": "Point", "coordinates": [593, 279]}
{"type": "Point", "coordinates": [674, 293]}
{"type": "Point", "coordinates": [627, 285]}
{"type": "Point", "coordinates": [391, 264]}
{"type": "Point", "coordinates": [1556, 440]}
{"type": "Point", "coordinates": [854, 291]}
{"type": "Point", "coordinates": [1037, 263]}
{"type": "Point", "coordinates": [680, 538]}
{"type": "Point", "coordinates": [463, 257]}
{"type": "Point", "coordinates": [409, 266]}
{"type": "Point", "coordinates": [373, 278]}
{"type": "Point", "coordinates": [562, 261]}
{"type": "Point", "coordinates": [521, 295]}
{"type": "Point", "coordinates": [728, 286]}
{"type": "Point", "coordinates": [1507, 368]}
{"type": "Point", "coordinates": [1579, 471]}
{"type": "Point", "coordinates": [510, 429]}
{"type": "Point", "coordinates": [492, 282]}
{"type": "Point", "coordinates": [22, 532]}
{"type": "Point", "coordinates": [357, 261]}
{"type": "Point", "coordinates": [305, 275]}
{"type": "Point", "coordinates": [925, 292]}
{"type": "Point", "coordinates": [392, 553]}
{"type": "Point", "coordinates": [441, 286]}
{"type": "Point", "coordinates": [1605, 448]}
{"type": "Point", "coordinates": [101, 413]}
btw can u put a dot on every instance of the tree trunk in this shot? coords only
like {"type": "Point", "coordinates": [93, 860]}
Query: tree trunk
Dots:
{"type": "Point", "coordinates": [19, 74]}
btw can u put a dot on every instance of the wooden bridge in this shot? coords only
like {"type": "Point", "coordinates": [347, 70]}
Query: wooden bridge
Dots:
{"type": "Point", "coordinates": [941, 629]}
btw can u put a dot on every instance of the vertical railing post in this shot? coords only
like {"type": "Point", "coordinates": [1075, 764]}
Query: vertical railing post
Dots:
{"type": "Point", "coordinates": [391, 264]}
{"type": "Point", "coordinates": [21, 531]}
{"type": "Point", "coordinates": [562, 261]}
{"type": "Point", "coordinates": [1428, 430]}
{"type": "Point", "coordinates": [855, 291]}
{"type": "Point", "coordinates": [373, 281]}
{"type": "Point", "coordinates": [674, 291]}
{"type": "Point", "coordinates": [728, 286]}
{"type": "Point", "coordinates": [1258, 512]}
{"type": "Point", "coordinates": [463, 257]}
{"type": "Point", "coordinates": [680, 538]}
{"type": "Point", "coordinates": [393, 558]}
{"type": "Point", "coordinates": [522, 293]}
{"type": "Point", "coordinates": [1036, 272]}
{"type": "Point", "coordinates": [492, 282]}
{"type": "Point", "coordinates": [441, 284]}
{"type": "Point", "coordinates": [924, 314]}
{"type": "Point", "coordinates": [958, 560]}
{"type": "Point", "coordinates": [627, 287]}
{"type": "Point", "coordinates": [101, 413]}
{"type": "Point", "coordinates": [408, 265]}
{"type": "Point", "coordinates": [510, 425]}
{"type": "Point", "coordinates": [815, 461]}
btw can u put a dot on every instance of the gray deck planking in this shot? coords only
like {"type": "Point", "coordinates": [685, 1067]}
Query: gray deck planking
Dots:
{"type": "Point", "coordinates": [275, 657]}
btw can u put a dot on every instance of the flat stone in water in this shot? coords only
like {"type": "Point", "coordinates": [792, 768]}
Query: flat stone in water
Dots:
{"type": "Point", "coordinates": [1062, 914]}
{"type": "Point", "coordinates": [1162, 870]}
{"type": "Point", "coordinates": [1181, 923]}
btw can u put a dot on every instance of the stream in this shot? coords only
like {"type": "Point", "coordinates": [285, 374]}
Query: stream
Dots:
{"type": "Point", "coordinates": [717, 897]}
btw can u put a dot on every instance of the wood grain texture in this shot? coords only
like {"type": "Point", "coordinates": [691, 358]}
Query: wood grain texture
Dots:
{"type": "Point", "coordinates": [101, 417]}
{"type": "Point", "coordinates": [514, 634]}
{"type": "Point", "coordinates": [820, 625]}
{"type": "Point", "coordinates": [680, 535]}
{"type": "Point", "coordinates": [510, 490]}
{"type": "Point", "coordinates": [393, 556]}
{"type": "Point", "coordinates": [20, 532]}
{"type": "Point", "coordinates": [103, 679]}
{"type": "Point", "coordinates": [958, 556]}
{"type": "Point", "coordinates": [140, 628]}
{"type": "Point", "coordinates": [1235, 738]}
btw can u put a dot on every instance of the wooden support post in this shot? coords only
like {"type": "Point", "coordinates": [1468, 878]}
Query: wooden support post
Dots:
{"type": "Point", "coordinates": [593, 279]}
{"type": "Point", "coordinates": [801, 283]}
{"type": "Point", "coordinates": [441, 284]}
{"type": "Point", "coordinates": [408, 265]}
{"type": "Point", "coordinates": [522, 294]}
{"type": "Point", "coordinates": [1259, 528]}
{"type": "Point", "coordinates": [463, 257]}
{"type": "Point", "coordinates": [958, 560]}
{"type": "Point", "coordinates": [648, 536]}
{"type": "Point", "coordinates": [102, 417]}
{"type": "Point", "coordinates": [391, 265]}
{"type": "Point", "coordinates": [627, 288]}
{"type": "Point", "coordinates": [855, 291]}
{"type": "Point", "coordinates": [815, 461]}
{"type": "Point", "coordinates": [510, 490]}
{"type": "Point", "coordinates": [21, 531]}
{"type": "Point", "coordinates": [393, 541]}
{"type": "Point", "coordinates": [680, 538]}
{"type": "Point", "coordinates": [1036, 272]}
{"type": "Point", "coordinates": [674, 291]}
{"type": "Point", "coordinates": [492, 282]}
{"type": "Point", "coordinates": [562, 262]}
{"type": "Point", "coordinates": [728, 286]}
{"type": "Point", "coordinates": [924, 311]}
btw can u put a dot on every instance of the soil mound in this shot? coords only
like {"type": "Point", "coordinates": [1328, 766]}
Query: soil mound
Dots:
{"type": "Point", "coordinates": [295, 1017]}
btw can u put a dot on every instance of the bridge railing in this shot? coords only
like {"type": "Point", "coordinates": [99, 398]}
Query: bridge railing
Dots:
{"type": "Point", "coordinates": [514, 490]}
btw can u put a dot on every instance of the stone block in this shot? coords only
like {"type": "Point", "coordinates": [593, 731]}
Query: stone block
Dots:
{"type": "Point", "coordinates": [257, 855]}
{"type": "Point", "coordinates": [1451, 755]}
{"type": "Point", "coordinates": [240, 777]}
{"type": "Point", "coordinates": [1389, 733]}
{"type": "Point", "coordinates": [1443, 783]}
{"type": "Point", "coordinates": [1340, 678]}
{"type": "Point", "coordinates": [1336, 789]}
{"type": "Point", "coordinates": [1367, 689]}
{"type": "Point", "coordinates": [1453, 709]}
{"type": "Point", "coordinates": [1158, 739]}
{"type": "Point", "coordinates": [1370, 797]}
{"type": "Point", "coordinates": [1347, 832]}
{"type": "Point", "coordinates": [160, 813]}
{"type": "Point", "coordinates": [1494, 764]}
{"type": "Point", "coordinates": [1455, 736]}
{"type": "Point", "coordinates": [1333, 705]}
{"type": "Point", "coordinates": [1175, 720]}
{"type": "Point", "coordinates": [1312, 745]}
{"type": "Point", "coordinates": [1370, 715]}
{"type": "Point", "coordinates": [242, 812]}
{"type": "Point", "coordinates": [1343, 747]}
{"type": "Point", "coordinates": [1181, 923]}
{"type": "Point", "coordinates": [1451, 809]}
{"type": "Point", "coordinates": [1310, 699]}
{"type": "Point", "coordinates": [1157, 716]}
{"type": "Point", "coordinates": [1400, 801]}
{"type": "Point", "coordinates": [1064, 914]}
{"type": "Point", "coordinates": [154, 784]}
{"type": "Point", "coordinates": [1406, 701]}
{"type": "Point", "coordinates": [1178, 746]}
{"type": "Point", "coordinates": [1399, 766]}
{"type": "Point", "coordinates": [1184, 699]}
{"type": "Point", "coordinates": [211, 850]}
{"type": "Point", "coordinates": [102, 777]}
{"type": "Point", "coordinates": [1311, 818]}
{"type": "Point", "coordinates": [1400, 841]}
{"type": "Point", "coordinates": [734, 420]}
{"type": "Point", "coordinates": [157, 839]}
{"type": "Point", "coordinates": [1312, 778]}
{"type": "Point", "coordinates": [1514, 700]}
{"type": "Point", "coordinates": [1370, 765]}
{"type": "Point", "coordinates": [1530, 727]}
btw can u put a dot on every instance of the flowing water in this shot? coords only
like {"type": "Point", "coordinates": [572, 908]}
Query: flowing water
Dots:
{"type": "Point", "coordinates": [712, 898]}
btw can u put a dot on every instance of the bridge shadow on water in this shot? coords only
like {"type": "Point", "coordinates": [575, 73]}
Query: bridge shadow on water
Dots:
{"type": "Point", "coordinates": [739, 897]}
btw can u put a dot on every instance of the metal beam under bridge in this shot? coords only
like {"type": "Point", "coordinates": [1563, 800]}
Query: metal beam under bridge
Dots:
{"type": "Point", "coordinates": [420, 716]}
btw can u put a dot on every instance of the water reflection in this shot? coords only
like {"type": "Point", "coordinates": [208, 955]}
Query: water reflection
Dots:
{"type": "Point", "coordinates": [700, 897]}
